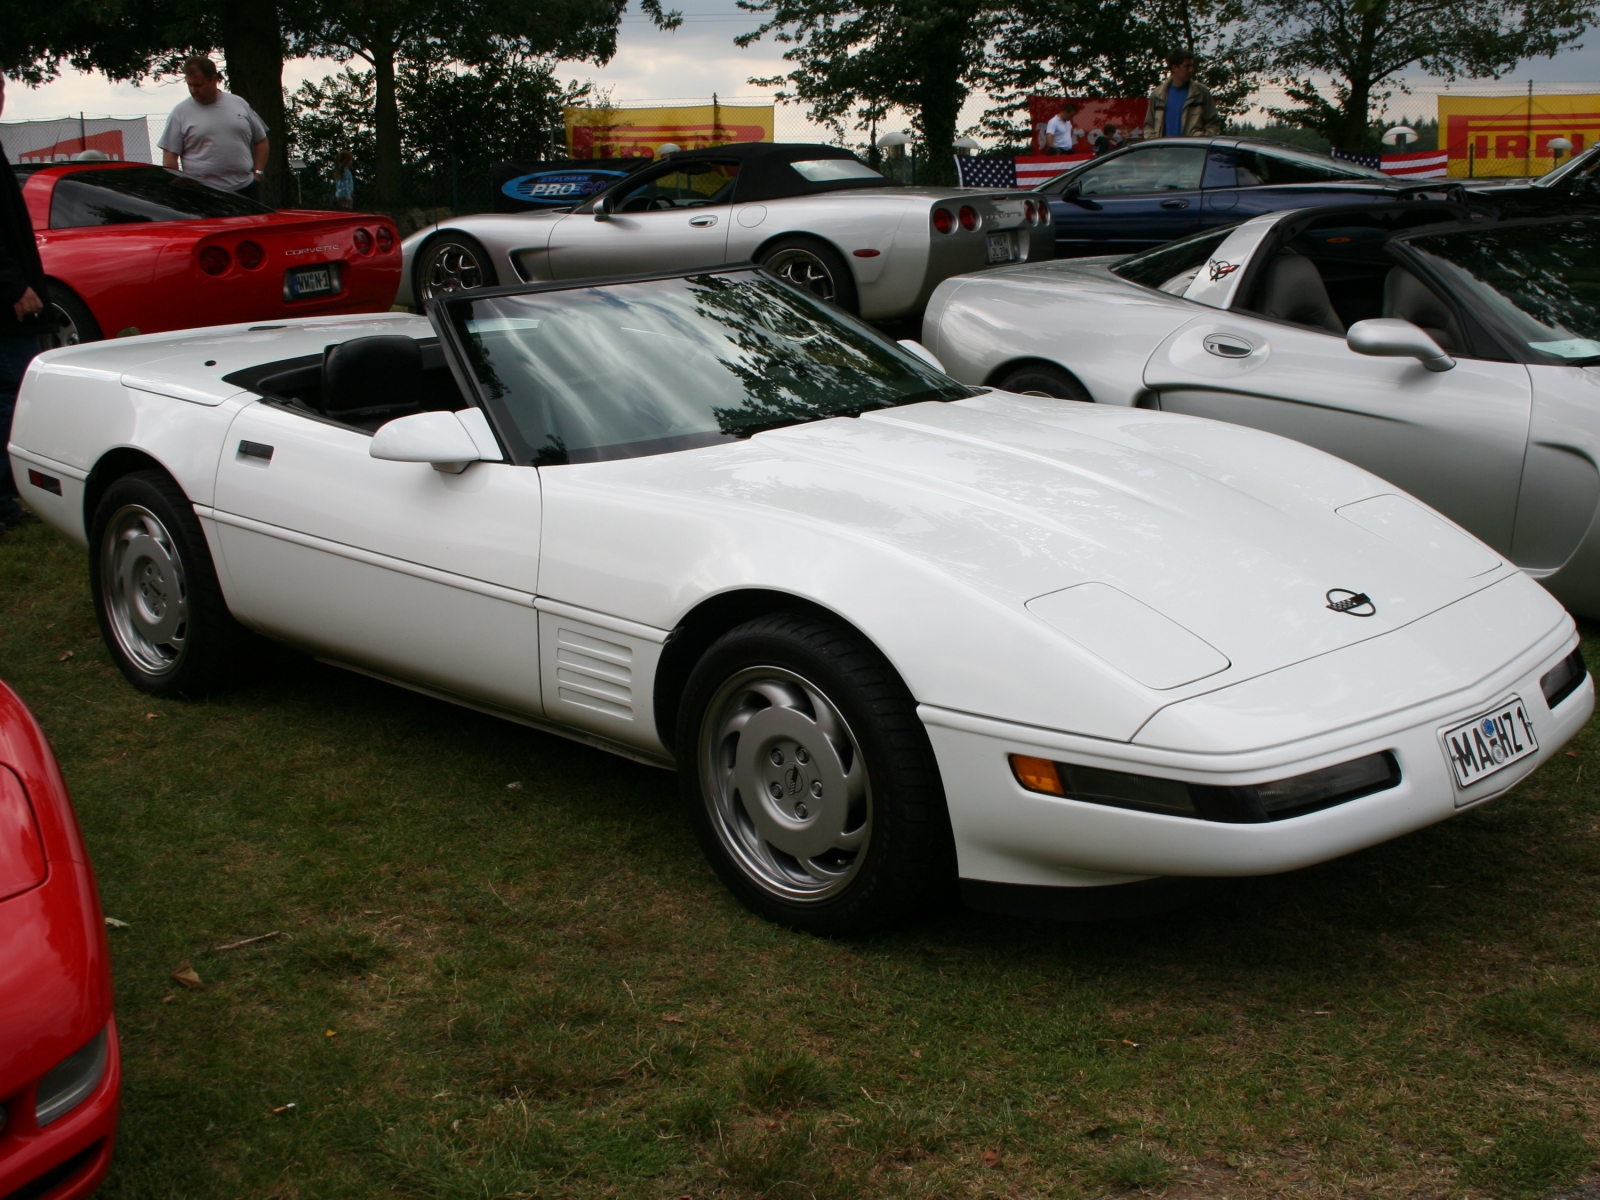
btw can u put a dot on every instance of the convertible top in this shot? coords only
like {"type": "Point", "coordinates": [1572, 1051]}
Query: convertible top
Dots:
{"type": "Point", "coordinates": [766, 171]}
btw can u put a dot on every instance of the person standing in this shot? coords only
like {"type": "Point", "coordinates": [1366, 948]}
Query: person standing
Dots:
{"type": "Point", "coordinates": [1060, 135]}
{"type": "Point", "coordinates": [344, 184]}
{"type": "Point", "coordinates": [214, 135]}
{"type": "Point", "coordinates": [1180, 105]}
{"type": "Point", "coordinates": [23, 318]}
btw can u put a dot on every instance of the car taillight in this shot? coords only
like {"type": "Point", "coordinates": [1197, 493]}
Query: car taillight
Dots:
{"type": "Point", "coordinates": [250, 255]}
{"type": "Point", "coordinates": [363, 241]}
{"type": "Point", "coordinates": [214, 260]}
{"type": "Point", "coordinates": [1030, 212]}
{"type": "Point", "coordinates": [969, 217]}
{"type": "Point", "coordinates": [385, 239]}
{"type": "Point", "coordinates": [943, 221]}
{"type": "Point", "coordinates": [21, 851]}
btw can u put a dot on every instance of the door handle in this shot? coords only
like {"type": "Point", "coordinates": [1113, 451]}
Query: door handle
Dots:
{"type": "Point", "coordinates": [1228, 345]}
{"type": "Point", "coordinates": [1174, 204]}
{"type": "Point", "coordinates": [255, 450]}
{"type": "Point", "coordinates": [702, 221]}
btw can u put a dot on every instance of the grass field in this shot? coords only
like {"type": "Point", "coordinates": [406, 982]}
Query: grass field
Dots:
{"type": "Point", "coordinates": [504, 971]}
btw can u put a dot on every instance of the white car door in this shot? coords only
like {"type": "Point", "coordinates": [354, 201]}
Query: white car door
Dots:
{"type": "Point", "coordinates": [671, 219]}
{"type": "Point", "coordinates": [393, 567]}
{"type": "Point", "coordinates": [1454, 439]}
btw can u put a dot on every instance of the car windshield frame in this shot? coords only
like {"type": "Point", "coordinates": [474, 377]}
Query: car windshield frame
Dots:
{"type": "Point", "coordinates": [1355, 172]}
{"type": "Point", "coordinates": [537, 385]}
{"type": "Point", "coordinates": [1559, 176]}
{"type": "Point", "coordinates": [1514, 322]}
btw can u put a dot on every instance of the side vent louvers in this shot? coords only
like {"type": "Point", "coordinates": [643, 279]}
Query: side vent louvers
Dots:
{"type": "Point", "coordinates": [595, 674]}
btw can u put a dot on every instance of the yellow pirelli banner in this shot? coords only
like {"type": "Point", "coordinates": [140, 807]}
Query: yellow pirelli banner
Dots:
{"type": "Point", "coordinates": [1511, 135]}
{"type": "Point", "coordinates": [636, 132]}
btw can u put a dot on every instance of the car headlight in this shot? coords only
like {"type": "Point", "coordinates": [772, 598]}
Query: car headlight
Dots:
{"type": "Point", "coordinates": [71, 1081]}
{"type": "Point", "coordinates": [1258, 802]}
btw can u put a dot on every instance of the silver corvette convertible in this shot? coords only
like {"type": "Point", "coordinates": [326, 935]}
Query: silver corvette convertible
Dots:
{"type": "Point", "coordinates": [1458, 359]}
{"type": "Point", "coordinates": [816, 215]}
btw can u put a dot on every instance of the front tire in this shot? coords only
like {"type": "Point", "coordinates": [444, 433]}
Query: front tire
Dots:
{"type": "Point", "coordinates": [451, 262]}
{"type": "Point", "coordinates": [156, 595]}
{"type": "Point", "coordinates": [810, 781]}
{"type": "Point", "coordinates": [75, 323]}
{"type": "Point", "coordinates": [814, 267]}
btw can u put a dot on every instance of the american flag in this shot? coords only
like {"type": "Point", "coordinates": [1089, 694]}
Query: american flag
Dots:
{"type": "Point", "coordinates": [1372, 161]}
{"type": "Point", "coordinates": [1027, 172]}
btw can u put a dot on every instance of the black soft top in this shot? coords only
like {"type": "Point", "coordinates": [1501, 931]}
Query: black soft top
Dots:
{"type": "Point", "coordinates": [766, 173]}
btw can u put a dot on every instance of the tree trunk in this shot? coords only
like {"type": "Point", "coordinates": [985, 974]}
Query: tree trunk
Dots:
{"type": "Point", "coordinates": [252, 47]}
{"type": "Point", "coordinates": [1356, 107]}
{"type": "Point", "coordinates": [942, 92]}
{"type": "Point", "coordinates": [386, 120]}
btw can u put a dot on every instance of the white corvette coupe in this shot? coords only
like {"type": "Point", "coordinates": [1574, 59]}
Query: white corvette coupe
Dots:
{"type": "Point", "coordinates": [893, 631]}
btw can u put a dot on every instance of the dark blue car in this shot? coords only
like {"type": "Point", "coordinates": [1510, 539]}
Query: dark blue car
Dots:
{"type": "Point", "coordinates": [1166, 188]}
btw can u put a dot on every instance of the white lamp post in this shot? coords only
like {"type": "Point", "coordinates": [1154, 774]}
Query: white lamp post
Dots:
{"type": "Point", "coordinates": [665, 149]}
{"type": "Point", "coordinates": [966, 146]}
{"type": "Point", "coordinates": [1558, 147]}
{"type": "Point", "coordinates": [1399, 135]}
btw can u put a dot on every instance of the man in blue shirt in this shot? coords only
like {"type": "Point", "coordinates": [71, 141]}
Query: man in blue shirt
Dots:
{"type": "Point", "coordinates": [1180, 105]}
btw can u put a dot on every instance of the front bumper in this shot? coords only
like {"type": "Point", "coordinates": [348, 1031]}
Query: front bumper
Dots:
{"type": "Point", "coordinates": [1008, 835]}
{"type": "Point", "coordinates": [69, 1157]}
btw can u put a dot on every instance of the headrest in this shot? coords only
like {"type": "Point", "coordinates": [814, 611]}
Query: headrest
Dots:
{"type": "Point", "coordinates": [371, 375]}
{"type": "Point", "coordinates": [1293, 291]}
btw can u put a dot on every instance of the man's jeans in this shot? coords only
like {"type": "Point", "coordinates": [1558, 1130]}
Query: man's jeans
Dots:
{"type": "Point", "coordinates": [16, 352]}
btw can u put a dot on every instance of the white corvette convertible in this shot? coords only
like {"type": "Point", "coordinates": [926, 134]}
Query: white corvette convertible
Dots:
{"type": "Point", "coordinates": [893, 631]}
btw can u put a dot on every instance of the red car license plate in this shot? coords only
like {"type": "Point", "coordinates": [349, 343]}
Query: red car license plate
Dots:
{"type": "Point", "coordinates": [312, 281]}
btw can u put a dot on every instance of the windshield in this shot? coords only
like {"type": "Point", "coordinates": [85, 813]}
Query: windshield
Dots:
{"type": "Point", "coordinates": [134, 195]}
{"type": "Point", "coordinates": [586, 375]}
{"type": "Point", "coordinates": [1579, 166]}
{"type": "Point", "coordinates": [1281, 164]}
{"type": "Point", "coordinates": [1542, 280]}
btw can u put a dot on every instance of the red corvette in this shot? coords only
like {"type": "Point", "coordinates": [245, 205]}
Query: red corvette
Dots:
{"type": "Point", "coordinates": [131, 248]}
{"type": "Point", "coordinates": [60, 1071]}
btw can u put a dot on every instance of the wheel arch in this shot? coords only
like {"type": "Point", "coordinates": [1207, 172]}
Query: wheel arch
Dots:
{"type": "Point", "coordinates": [1033, 360]}
{"type": "Point", "coordinates": [112, 466]}
{"type": "Point", "coordinates": [810, 235]}
{"type": "Point", "coordinates": [704, 624]}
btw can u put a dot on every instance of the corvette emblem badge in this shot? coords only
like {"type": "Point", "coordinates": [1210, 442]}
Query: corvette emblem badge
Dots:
{"type": "Point", "coordinates": [1218, 269]}
{"type": "Point", "coordinates": [1357, 604]}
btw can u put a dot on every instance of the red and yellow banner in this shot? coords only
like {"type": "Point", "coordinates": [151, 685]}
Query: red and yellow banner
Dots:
{"type": "Point", "coordinates": [1511, 135]}
{"type": "Point", "coordinates": [636, 132]}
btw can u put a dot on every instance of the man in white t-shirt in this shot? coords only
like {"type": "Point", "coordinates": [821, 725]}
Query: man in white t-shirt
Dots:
{"type": "Point", "coordinates": [1060, 136]}
{"type": "Point", "coordinates": [214, 135]}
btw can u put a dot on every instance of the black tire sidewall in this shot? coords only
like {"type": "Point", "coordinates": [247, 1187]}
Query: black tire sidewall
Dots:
{"type": "Point", "coordinates": [491, 277]}
{"type": "Point", "coordinates": [908, 869]}
{"type": "Point", "coordinates": [64, 298]}
{"type": "Point", "coordinates": [1042, 378]}
{"type": "Point", "coordinates": [844, 281]}
{"type": "Point", "coordinates": [213, 635]}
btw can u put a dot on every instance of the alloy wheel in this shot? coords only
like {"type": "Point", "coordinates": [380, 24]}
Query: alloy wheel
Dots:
{"type": "Point", "coordinates": [786, 786]}
{"type": "Point", "coordinates": [146, 593]}
{"type": "Point", "coordinates": [450, 267]}
{"type": "Point", "coordinates": [805, 270]}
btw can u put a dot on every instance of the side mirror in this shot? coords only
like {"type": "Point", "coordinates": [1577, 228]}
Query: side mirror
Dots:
{"type": "Point", "coordinates": [1386, 337]}
{"type": "Point", "coordinates": [1072, 191]}
{"type": "Point", "coordinates": [602, 209]}
{"type": "Point", "coordinates": [447, 440]}
{"type": "Point", "coordinates": [924, 354]}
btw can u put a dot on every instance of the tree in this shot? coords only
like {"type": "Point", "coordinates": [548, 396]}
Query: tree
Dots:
{"type": "Point", "coordinates": [1364, 45]}
{"type": "Point", "coordinates": [1118, 48]}
{"type": "Point", "coordinates": [135, 39]}
{"type": "Point", "coordinates": [856, 60]}
{"type": "Point", "coordinates": [386, 33]}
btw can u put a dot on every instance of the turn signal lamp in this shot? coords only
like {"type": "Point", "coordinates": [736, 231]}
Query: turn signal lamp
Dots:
{"type": "Point", "coordinates": [943, 221]}
{"type": "Point", "coordinates": [385, 239]}
{"type": "Point", "coordinates": [1251, 804]}
{"type": "Point", "coordinates": [363, 241]}
{"type": "Point", "coordinates": [214, 260]}
{"type": "Point", "coordinates": [21, 851]}
{"type": "Point", "coordinates": [969, 217]}
{"type": "Point", "coordinates": [250, 255]}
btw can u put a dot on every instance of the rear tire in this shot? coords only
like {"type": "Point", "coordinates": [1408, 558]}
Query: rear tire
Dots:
{"type": "Point", "coordinates": [451, 262]}
{"type": "Point", "coordinates": [77, 323]}
{"type": "Point", "coordinates": [814, 267]}
{"type": "Point", "coordinates": [1042, 379]}
{"type": "Point", "coordinates": [160, 608]}
{"type": "Point", "coordinates": [844, 829]}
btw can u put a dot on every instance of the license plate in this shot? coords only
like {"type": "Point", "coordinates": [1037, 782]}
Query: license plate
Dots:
{"type": "Point", "coordinates": [311, 281]}
{"type": "Point", "coordinates": [1489, 742]}
{"type": "Point", "coordinates": [1002, 247]}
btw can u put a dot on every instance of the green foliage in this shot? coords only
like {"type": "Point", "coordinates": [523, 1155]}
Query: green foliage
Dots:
{"type": "Point", "coordinates": [784, 1079]}
{"type": "Point", "coordinates": [1529, 1157]}
{"type": "Point", "coordinates": [1130, 1166]}
{"type": "Point", "coordinates": [1337, 58]}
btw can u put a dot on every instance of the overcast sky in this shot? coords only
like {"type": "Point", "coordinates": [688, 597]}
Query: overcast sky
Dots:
{"type": "Point", "coordinates": [693, 62]}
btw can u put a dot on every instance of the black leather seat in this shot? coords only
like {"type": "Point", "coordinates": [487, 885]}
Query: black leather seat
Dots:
{"type": "Point", "coordinates": [1408, 298]}
{"type": "Point", "coordinates": [1292, 290]}
{"type": "Point", "coordinates": [372, 377]}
